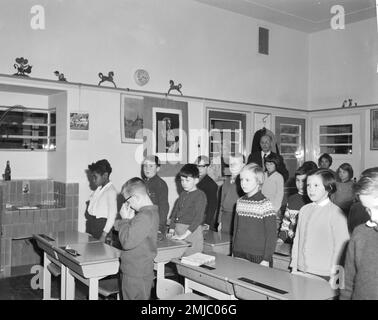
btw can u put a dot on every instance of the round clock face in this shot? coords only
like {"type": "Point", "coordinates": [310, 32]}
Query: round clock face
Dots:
{"type": "Point", "coordinates": [141, 77]}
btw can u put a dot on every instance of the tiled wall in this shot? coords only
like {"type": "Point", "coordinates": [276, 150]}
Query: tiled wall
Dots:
{"type": "Point", "coordinates": [58, 211]}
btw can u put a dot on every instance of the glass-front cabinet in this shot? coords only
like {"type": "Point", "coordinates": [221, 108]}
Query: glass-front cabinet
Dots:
{"type": "Point", "coordinates": [27, 128]}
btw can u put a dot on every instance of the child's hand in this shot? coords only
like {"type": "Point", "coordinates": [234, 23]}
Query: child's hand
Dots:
{"type": "Point", "coordinates": [170, 233]}
{"type": "Point", "coordinates": [264, 263]}
{"type": "Point", "coordinates": [219, 226]}
{"type": "Point", "coordinates": [126, 211]}
{"type": "Point", "coordinates": [182, 237]}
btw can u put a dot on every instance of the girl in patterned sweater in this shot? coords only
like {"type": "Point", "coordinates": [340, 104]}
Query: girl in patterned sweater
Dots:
{"type": "Point", "coordinates": [254, 236]}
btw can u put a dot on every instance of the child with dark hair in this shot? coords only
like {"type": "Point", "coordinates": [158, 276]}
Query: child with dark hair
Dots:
{"type": "Point", "coordinates": [188, 213]}
{"type": "Point", "coordinates": [102, 207]}
{"type": "Point", "coordinates": [273, 186]}
{"type": "Point", "coordinates": [294, 204]}
{"type": "Point", "coordinates": [325, 162]}
{"type": "Point", "coordinates": [138, 236]}
{"type": "Point", "coordinates": [361, 281]}
{"type": "Point", "coordinates": [255, 235]}
{"type": "Point", "coordinates": [309, 166]}
{"type": "Point", "coordinates": [208, 185]}
{"type": "Point", "coordinates": [322, 230]}
{"type": "Point", "coordinates": [157, 189]}
{"type": "Point", "coordinates": [344, 195]}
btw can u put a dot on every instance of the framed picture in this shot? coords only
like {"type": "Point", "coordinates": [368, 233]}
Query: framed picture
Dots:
{"type": "Point", "coordinates": [374, 129]}
{"type": "Point", "coordinates": [167, 131]}
{"type": "Point", "coordinates": [132, 108]}
{"type": "Point", "coordinates": [79, 121]}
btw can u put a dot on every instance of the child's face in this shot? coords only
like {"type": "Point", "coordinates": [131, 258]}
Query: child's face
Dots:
{"type": "Point", "coordinates": [343, 175]}
{"type": "Point", "coordinates": [324, 163]}
{"type": "Point", "coordinates": [100, 179]}
{"type": "Point", "coordinates": [370, 201]}
{"type": "Point", "coordinates": [300, 182]}
{"type": "Point", "coordinates": [150, 169]}
{"type": "Point", "coordinates": [202, 168]}
{"type": "Point", "coordinates": [270, 166]}
{"type": "Point", "coordinates": [248, 182]}
{"type": "Point", "coordinates": [131, 200]}
{"type": "Point", "coordinates": [315, 189]}
{"type": "Point", "coordinates": [189, 183]}
{"type": "Point", "coordinates": [236, 164]}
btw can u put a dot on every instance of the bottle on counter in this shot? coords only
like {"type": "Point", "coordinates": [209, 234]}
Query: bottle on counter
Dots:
{"type": "Point", "coordinates": [7, 172]}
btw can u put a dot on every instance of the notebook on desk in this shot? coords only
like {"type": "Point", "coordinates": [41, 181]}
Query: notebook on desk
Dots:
{"type": "Point", "coordinates": [198, 259]}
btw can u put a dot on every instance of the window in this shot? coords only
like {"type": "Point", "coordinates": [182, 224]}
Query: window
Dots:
{"type": "Point", "coordinates": [290, 140]}
{"type": "Point", "coordinates": [336, 139]}
{"type": "Point", "coordinates": [30, 129]}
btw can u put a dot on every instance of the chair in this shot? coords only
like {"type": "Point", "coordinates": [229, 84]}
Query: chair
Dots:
{"type": "Point", "coordinates": [108, 287]}
{"type": "Point", "coordinates": [167, 289]}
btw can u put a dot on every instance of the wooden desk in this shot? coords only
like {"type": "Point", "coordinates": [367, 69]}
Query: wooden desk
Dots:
{"type": "Point", "coordinates": [224, 282]}
{"type": "Point", "coordinates": [282, 256]}
{"type": "Point", "coordinates": [217, 242]}
{"type": "Point", "coordinates": [95, 261]}
{"type": "Point", "coordinates": [47, 242]}
{"type": "Point", "coordinates": [167, 250]}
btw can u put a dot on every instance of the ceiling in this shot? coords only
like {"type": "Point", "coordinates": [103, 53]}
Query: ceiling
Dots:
{"type": "Point", "coordinates": [303, 15]}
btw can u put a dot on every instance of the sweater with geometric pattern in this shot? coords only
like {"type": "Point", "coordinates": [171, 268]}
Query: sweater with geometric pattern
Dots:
{"type": "Point", "coordinates": [255, 228]}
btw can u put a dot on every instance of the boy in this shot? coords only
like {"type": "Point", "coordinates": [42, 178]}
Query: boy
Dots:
{"type": "Point", "coordinates": [208, 185]}
{"type": "Point", "coordinates": [294, 203]}
{"type": "Point", "coordinates": [102, 207]}
{"type": "Point", "coordinates": [138, 236]}
{"type": "Point", "coordinates": [157, 189]}
{"type": "Point", "coordinates": [188, 212]}
{"type": "Point", "coordinates": [361, 281]}
{"type": "Point", "coordinates": [231, 192]}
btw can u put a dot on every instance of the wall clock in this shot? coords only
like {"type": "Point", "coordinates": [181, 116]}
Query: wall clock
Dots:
{"type": "Point", "coordinates": [141, 77]}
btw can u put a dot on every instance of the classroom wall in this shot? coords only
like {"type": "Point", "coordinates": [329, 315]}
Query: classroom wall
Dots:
{"type": "Point", "coordinates": [212, 52]}
{"type": "Point", "coordinates": [343, 64]}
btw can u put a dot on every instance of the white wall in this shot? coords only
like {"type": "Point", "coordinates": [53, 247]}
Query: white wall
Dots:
{"type": "Point", "coordinates": [343, 64]}
{"type": "Point", "coordinates": [212, 52]}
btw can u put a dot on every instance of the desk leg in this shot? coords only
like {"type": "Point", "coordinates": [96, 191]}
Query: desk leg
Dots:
{"type": "Point", "coordinates": [160, 270]}
{"type": "Point", "coordinates": [70, 286]}
{"type": "Point", "coordinates": [93, 289]}
{"type": "Point", "coordinates": [63, 282]}
{"type": "Point", "coordinates": [187, 287]}
{"type": "Point", "coordinates": [46, 278]}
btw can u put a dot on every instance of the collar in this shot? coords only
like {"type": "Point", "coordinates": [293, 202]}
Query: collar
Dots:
{"type": "Point", "coordinates": [324, 202]}
{"type": "Point", "coordinates": [262, 154]}
{"type": "Point", "coordinates": [372, 224]}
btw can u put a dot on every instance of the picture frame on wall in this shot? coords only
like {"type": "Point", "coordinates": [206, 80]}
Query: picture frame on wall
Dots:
{"type": "Point", "coordinates": [132, 120]}
{"type": "Point", "coordinates": [167, 128]}
{"type": "Point", "coordinates": [374, 129]}
{"type": "Point", "coordinates": [79, 125]}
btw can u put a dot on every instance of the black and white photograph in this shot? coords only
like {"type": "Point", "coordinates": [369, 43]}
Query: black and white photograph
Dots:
{"type": "Point", "coordinates": [193, 150]}
{"type": "Point", "coordinates": [167, 132]}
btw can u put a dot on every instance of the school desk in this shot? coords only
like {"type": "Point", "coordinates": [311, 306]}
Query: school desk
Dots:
{"type": "Point", "coordinates": [168, 249]}
{"type": "Point", "coordinates": [94, 261]}
{"type": "Point", "coordinates": [216, 242]}
{"type": "Point", "coordinates": [47, 242]}
{"type": "Point", "coordinates": [230, 278]}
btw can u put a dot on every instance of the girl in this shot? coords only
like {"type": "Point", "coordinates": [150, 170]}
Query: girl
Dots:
{"type": "Point", "coordinates": [273, 186]}
{"type": "Point", "coordinates": [361, 281]}
{"type": "Point", "coordinates": [255, 235]}
{"type": "Point", "coordinates": [322, 230]}
{"type": "Point", "coordinates": [344, 195]}
{"type": "Point", "coordinates": [325, 162]}
{"type": "Point", "coordinates": [102, 207]}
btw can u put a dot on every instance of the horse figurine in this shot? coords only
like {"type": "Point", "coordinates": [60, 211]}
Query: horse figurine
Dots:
{"type": "Point", "coordinates": [108, 78]}
{"type": "Point", "coordinates": [22, 67]}
{"type": "Point", "coordinates": [60, 76]}
{"type": "Point", "coordinates": [174, 87]}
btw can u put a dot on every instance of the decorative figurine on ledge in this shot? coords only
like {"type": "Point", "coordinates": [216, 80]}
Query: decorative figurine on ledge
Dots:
{"type": "Point", "coordinates": [350, 102]}
{"type": "Point", "coordinates": [174, 87]}
{"type": "Point", "coordinates": [108, 78]}
{"type": "Point", "coordinates": [60, 76]}
{"type": "Point", "coordinates": [22, 67]}
{"type": "Point", "coordinates": [7, 172]}
{"type": "Point", "coordinates": [344, 104]}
